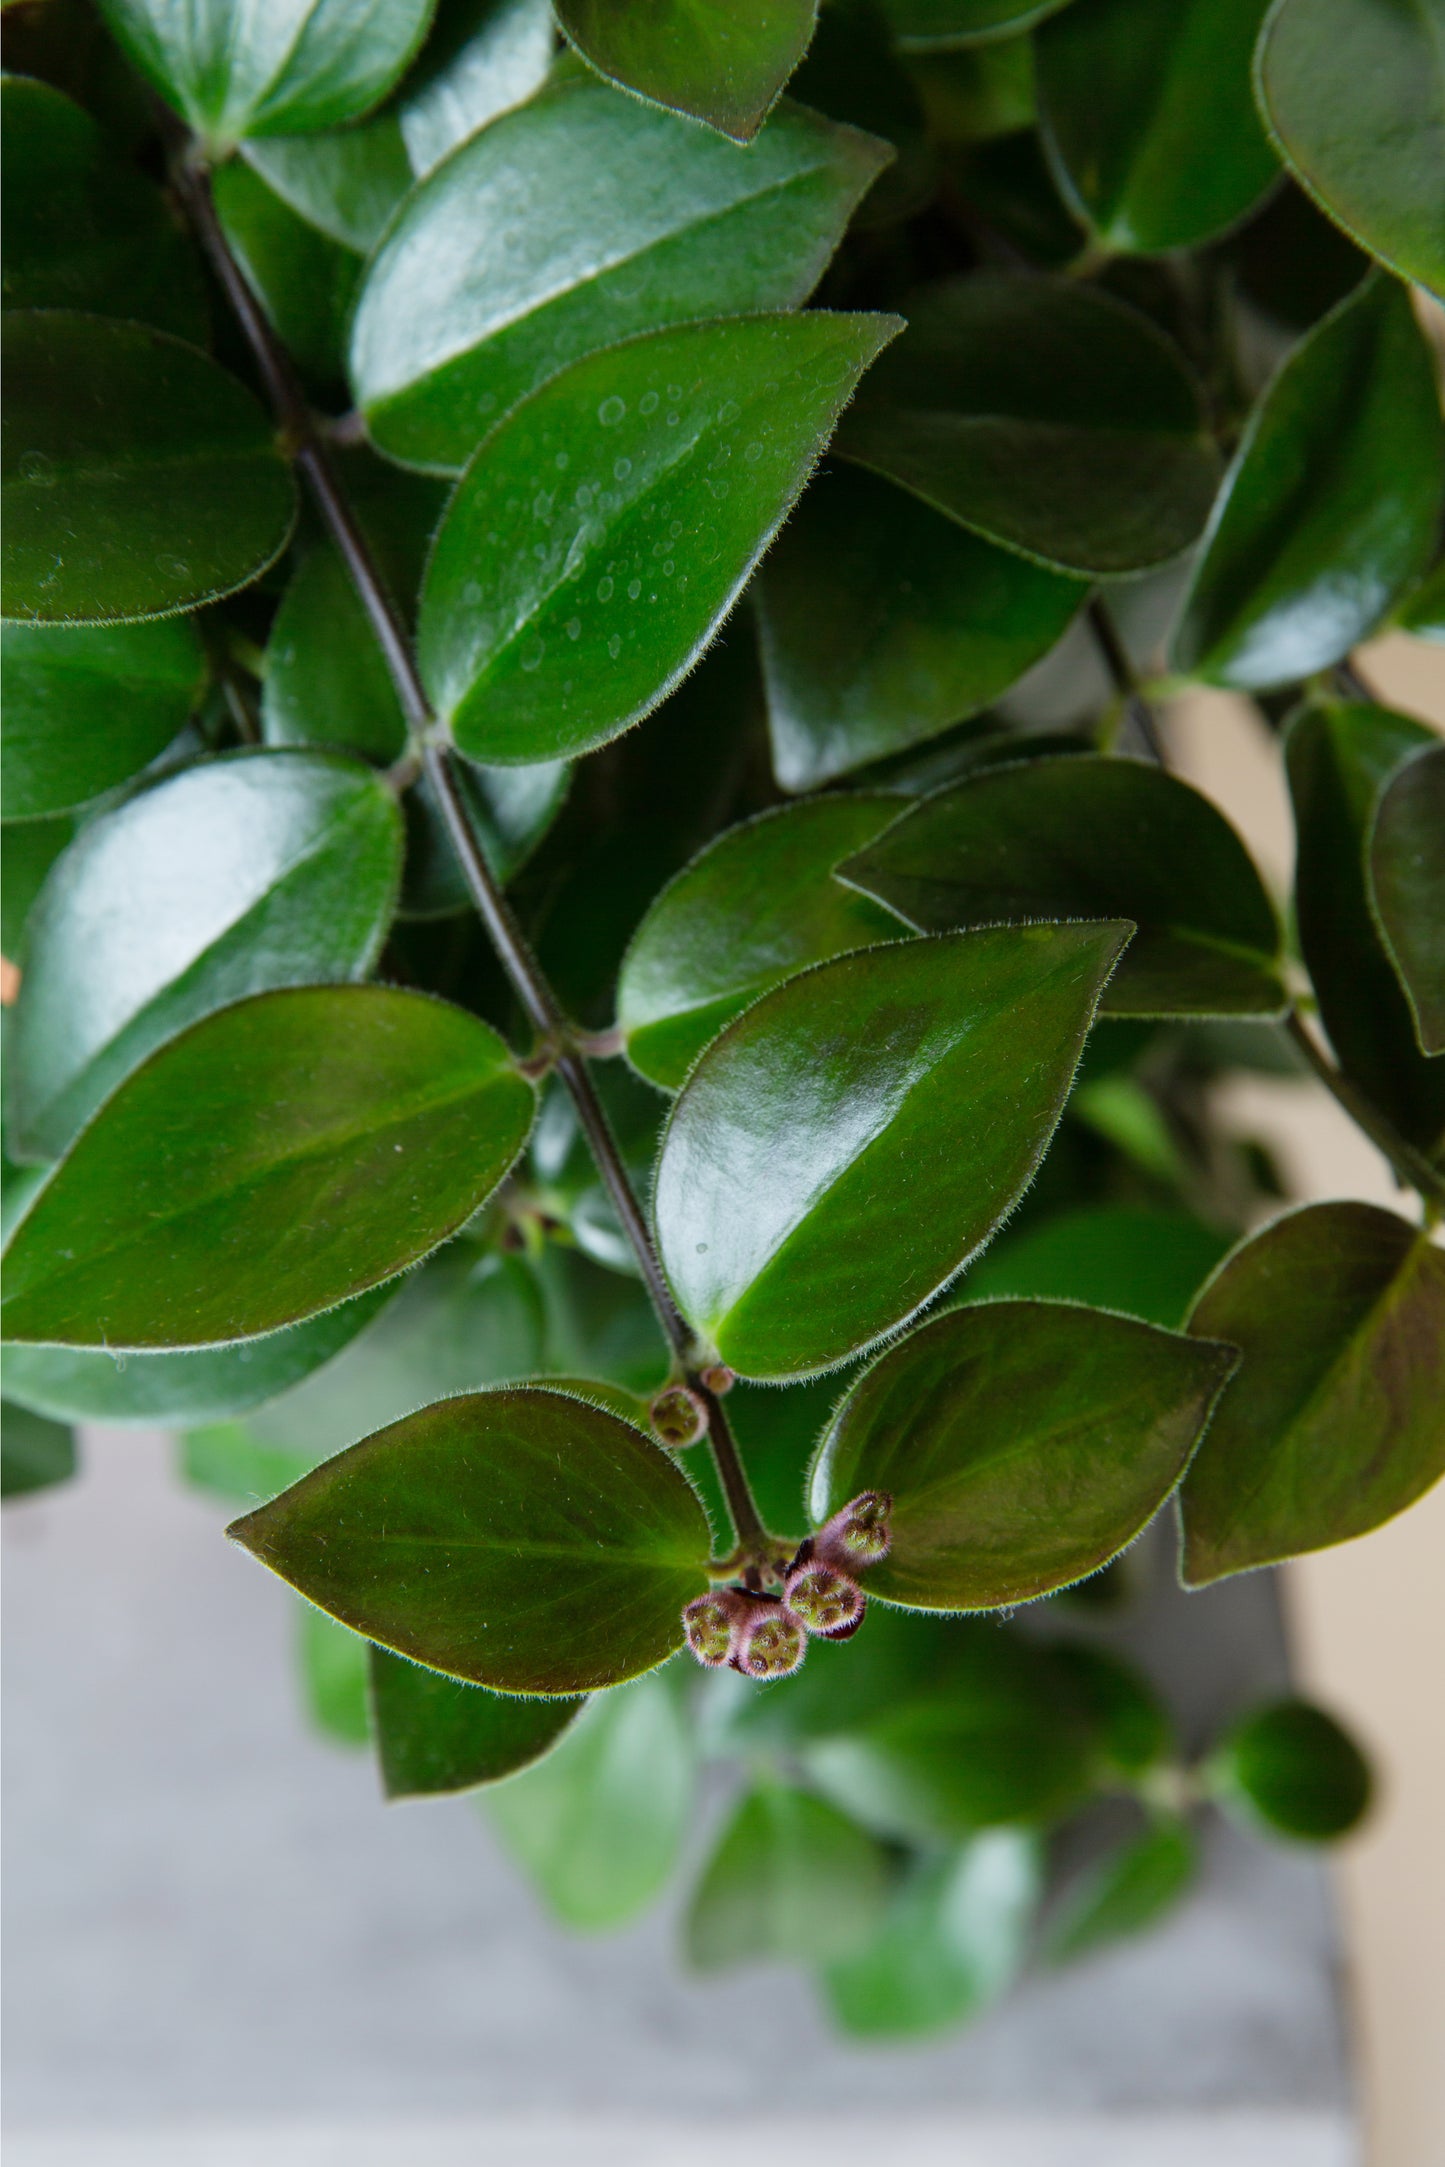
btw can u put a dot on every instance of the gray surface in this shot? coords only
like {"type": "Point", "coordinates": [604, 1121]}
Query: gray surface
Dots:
{"type": "Point", "coordinates": [211, 1918]}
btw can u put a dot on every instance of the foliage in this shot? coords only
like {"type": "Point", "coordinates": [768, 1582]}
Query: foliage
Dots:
{"type": "Point", "coordinates": [546, 895]}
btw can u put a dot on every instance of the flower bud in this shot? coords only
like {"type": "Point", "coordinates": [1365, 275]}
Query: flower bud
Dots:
{"type": "Point", "coordinates": [771, 1640]}
{"type": "Point", "coordinates": [712, 1624]}
{"type": "Point", "coordinates": [719, 1378]}
{"type": "Point", "coordinates": [858, 1535]}
{"type": "Point", "coordinates": [827, 1601]}
{"type": "Point", "coordinates": [678, 1417]}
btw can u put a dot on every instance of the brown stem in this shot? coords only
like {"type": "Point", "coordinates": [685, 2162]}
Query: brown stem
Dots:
{"type": "Point", "coordinates": [1410, 1166]}
{"type": "Point", "coordinates": [1126, 680]}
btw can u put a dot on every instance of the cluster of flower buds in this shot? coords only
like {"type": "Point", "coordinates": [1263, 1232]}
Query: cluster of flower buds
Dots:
{"type": "Point", "coordinates": [765, 1635]}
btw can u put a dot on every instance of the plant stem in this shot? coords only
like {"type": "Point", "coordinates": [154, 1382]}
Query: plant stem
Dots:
{"type": "Point", "coordinates": [308, 449]}
{"type": "Point", "coordinates": [1410, 1166]}
{"type": "Point", "coordinates": [1126, 680]}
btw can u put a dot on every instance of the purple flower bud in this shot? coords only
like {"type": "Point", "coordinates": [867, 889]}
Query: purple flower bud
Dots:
{"type": "Point", "coordinates": [771, 1640]}
{"type": "Point", "coordinates": [678, 1417]}
{"type": "Point", "coordinates": [858, 1535]}
{"type": "Point", "coordinates": [712, 1624]}
{"type": "Point", "coordinates": [827, 1601]}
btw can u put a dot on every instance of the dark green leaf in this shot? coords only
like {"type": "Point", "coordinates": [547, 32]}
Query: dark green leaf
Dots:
{"type": "Point", "coordinates": [1023, 1443]}
{"type": "Point", "coordinates": [234, 877]}
{"type": "Point", "coordinates": [852, 72]}
{"type": "Point", "coordinates": [934, 1770]}
{"type": "Point", "coordinates": [954, 1939]}
{"type": "Point", "coordinates": [937, 25]}
{"type": "Point", "coordinates": [31, 847]}
{"type": "Point", "coordinates": [1330, 507]}
{"type": "Point", "coordinates": [326, 682]}
{"type": "Point", "coordinates": [1133, 1732]}
{"type": "Point", "coordinates": [34, 1453]}
{"type": "Point", "coordinates": [332, 1663]}
{"type": "Point", "coordinates": [619, 512]}
{"type": "Point", "coordinates": [1292, 1770]}
{"type": "Point", "coordinates": [139, 479]}
{"type": "Point", "coordinates": [519, 1538]}
{"type": "Point", "coordinates": [1149, 113]}
{"type": "Point", "coordinates": [1333, 1423]}
{"type": "Point", "coordinates": [599, 1824]}
{"type": "Point", "coordinates": [1354, 91]}
{"type": "Point", "coordinates": [1424, 612]}
{"type": "Point", "coordinates": [482, 57]}
{"type": "Point", "coordinates": [634, 220]}
{"type": "Point", "coordinates": [81, 229]}
{"type": "Point", "coordinates": [1092, 837]}
{"type": "Point", "coordinates": [306, 282]}
{"type": "Point", "coordinates": [435, 1734]}
{"type": "Point", "coordinates": [791, 1878]}
{"type": "Point", "coordinates": [882, 622]}
{"type": "Point", "coordinates": [345, 184]}
{"type": "Point", "coordinates": [292, 65]}
{"type": "Point", "coordinates": [1339, 760]}
{"type": "Point", "coordinates": [87, 706]}
{"type": "Point", "coordinates": [758, 905]}
{"type": "Point", "coordinates": [1044, 416]}
{"type": "Point", "coordinates": [1128, 1891]}
{"type": "Point", "coordinates": [722, 61]}
{"type": "Point", "coordinates": [1407, 887]}
{"type": "Point", "coordinates": [1144, 1263]}
{"type": "Point", "coordinates": [847, 1143]}
{"type": "Point", "coordinates": [276, 1158]}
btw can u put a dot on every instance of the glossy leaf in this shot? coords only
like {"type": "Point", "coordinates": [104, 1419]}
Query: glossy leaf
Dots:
{"type": "Point", "coordinates": [722, 61]}
{"type": "Point", "coordinates": [632, 220]}
{"type": "Point", "coordinates": [923, 26]}
{"type": "Point", "coordinates": [599, 1823]}
{"type": "Point", "coordinates": [1339, 760]}
{"type": "Point", "coordinates": [88, 706]}
{"type": "Point", "coordinates": [758, 905]}
{"type": "Point", "coordinates": [1046, 417]}
{"type": "Point", "coordinates": [1354, 93]}
{"type": "Point", "coordinates": [882, 622]}
{"type": "Point", "coordinates": [1145, 1263]}
{"type": "Point", "coordinates": [435, 1734]}
{"type": "Point", "coordinates": [1333, 1424]}
{"type": "Point", "coordinates": [518, 1538]}
{"type": "Point", "coordinates": [1291, 1769]}
{"type": "Point", "coordinates": [483, 57]}
{"type": "Point", "coordinates": [333, 1666]}
{"type": "Point", "coordinates": [1128, 1891]}
{"type": "Point", "coordinates": [791, 1879]}
{"type": "Point", "coordinates": [305, 281]}
{"type": "Point", "coordinates": [955, 1938]}
{"type": "Point", "coordinates": [234, 877]}
{"type": "Point", "coordinates": [608, 575]}
{"type": "Point", "coordinates": [1092, 837]}
{"type": "Point", "coordinates": [31, 847]}
{"type": "Point", "coordinates": [34, 1454]}
{"type": "Point", "coordinates": [1023, 1443]}
{"type": "Point", "coordinates": [82, 230]}
{"type": "Point", "coordinates": [1149, 114]}
{"type": "Point", "coordinates": [1329, 509]}
{"type": "Point", "coordinates": [891, 1105]}
{"type": "Point", "coordinates": [1407, 887]}
{"type": "Point", "coordinates": [139, 478]}
{"type": "Point", "coordinates": [287, 66]}
{"type": "Point", "coordinates": [346, 183]}
{"type": "Point", "coordinates": [276, 1158]}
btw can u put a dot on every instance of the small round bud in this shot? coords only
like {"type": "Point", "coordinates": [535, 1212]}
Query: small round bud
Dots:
{"type": "Point", "coordinates": [858, 1535]}
{"type": "Point", "coordinates": [827, 1601]}
{"type": "Point", "coordinates": [719, 1378]}
{"type": "Point", "coordinates": [711, 1625]}
{"type": "Point", "coordinates": [771, 1641]}
{"type": "Point", "coordinates": [678, 1417]}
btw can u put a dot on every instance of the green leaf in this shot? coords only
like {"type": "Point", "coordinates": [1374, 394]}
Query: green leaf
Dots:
{"type": "Point", "coordinates": [599, 1824]}
{"type": "Point", "coordinates": [483, 57]}
{"type": "Point", "coordinates": [345, 184]}
{"type": "Point", "coordinates": [1129, 1890]}
{"type": "Point", "coordinates": [1291, 1770]}
{"type": "Point", "coordinates": [435, 1734]}
{"type": "Point", "coordinates": [31, 847]}
{"type": "Point", "coordinates": [923, 26]}
{"type": "Point", "coordinates": [519, 1538]}
{"type": "Point", "coordinates": [953, 1941]}
{"type": "Point", "coordinates": [845, 1146]}
{"type": "Point", "coordinates": [276, 1158]}
{"type": "Point", "coordinates": [1423, 613]}
{"type": "Point", "coordinates": [1000, 380]}
{"type": "Point", "coordinates": [1092, 837]}
{"type": "Point", "coordinates": [82, 230]}
{"type": "Point", "coordinates": [236, 876]}
{"type": "Point", "coordinates": [139, 479]}
{"type": "Point", "coordinates": [791, 1879]}
{"type": "Point", "coordinates": [332, 1663]}
{"type": "Point", "coordinates": [1144, 1263]}
{"type": "Point", "coordinates": [1339, 760]}
{"type": "Point", "coordinates": [607, 573]}
{"type": "Point", "coordinates": [721, 61]}
{"type": "Point", "coordinates": [1354, 94]}
{"type": "Point", "coordinates": [1333, 1423]}
{"type": "Point", "coordinates": [1024, 1444]}
{"type": "Point", "coordinates": [305, 282]}
{"type": "Point", "coordinates": [1407, 887]}
{"type": "Point", "coordinates": [34, 1454]}
{"type": "Point", "coordinates": [88, 706]}
{"type": "Point", "coordinates": [882, 622]}
{"type": "Point", "coordinates": [209, 1384]}
{"type": "Point", "coordinates": [1329, 509]}
{"type": "Point", "coordinates": [1133, 1731]}
{"type": "Point", "coordinates": [1149, 115]}
{"type": "Point", "coordinates": [290, 66]}
{"type": "Point", "coordinates": [755, 907]}
{"type": "Point", "coordinates": [634, 220]}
